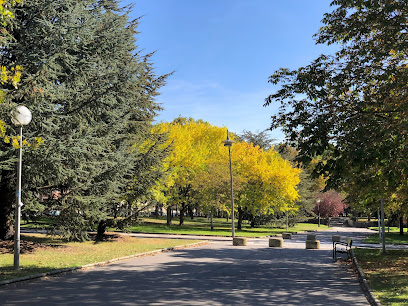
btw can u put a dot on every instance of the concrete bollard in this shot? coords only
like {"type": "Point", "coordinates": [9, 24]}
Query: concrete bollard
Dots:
{"type": "Point", "coordinates": [312, 244]}
{"type": "Point", "coordinates": [311, 237]}
{"type": "Point", "coordinates": [238, 241]}
{"type": "Point", "coordinates": [287, 235]}
{"type": "Point", "coordinates": [276, 242]}
{"type": "Point", "coordinates": [336, 238]}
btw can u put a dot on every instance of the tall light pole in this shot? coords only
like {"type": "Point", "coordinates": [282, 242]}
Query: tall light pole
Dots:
{"type": "Point", "coordinates": [20, 116]}
{"type": "Point", "coordinates": [228, 143]}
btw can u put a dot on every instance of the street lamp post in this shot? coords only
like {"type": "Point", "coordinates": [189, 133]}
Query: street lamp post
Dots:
{"type": "Point", "coordinates": [228, 143]}
{"type": "Point", "coordinates": [20, 116]}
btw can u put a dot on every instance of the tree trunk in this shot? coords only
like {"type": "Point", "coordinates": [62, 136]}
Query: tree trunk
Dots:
{"type": "Point", "coordinates": [401, 225]}
{"type": "Point", "coordinates": [169, 212]}
{"type": "Point", "coordinates": [252, 221]}
{"type": "Point", "coordinates": [101, 230]}
{"type": "Point", "coordinates": [103, 224]}
{"type": "Point", "coordinates": [156, 211]}
{"type": "Point", "coordinates": [240, 217]}
{"type": "Point", "coordinates": [191, 212]}
{"type": "Point", "coordinates": [182, 212]}
{"type": "Point", "coordinates": [211, 216]}
{"type": "Point", "coordinates": [7, 198]}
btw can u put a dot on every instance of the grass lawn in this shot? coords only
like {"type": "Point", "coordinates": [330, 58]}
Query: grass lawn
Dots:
{"type": "Point", "coordinates": [40, 223]}
{"type": "Point", "coordinates": [366, 220]}
{"type": "Point", "coordinates": [393, 237]}
{"type": "Point", "coordinates": [44, 254]}
{"type": "Point", "coordinates": [386, 274]}
{"type": "Point", "coordinates": [201, 226]}
{"type": "Point", "coordinates": [391, 229]}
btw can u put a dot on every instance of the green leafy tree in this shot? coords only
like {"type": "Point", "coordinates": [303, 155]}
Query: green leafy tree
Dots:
{"type": "Point", "coordinates": [351, 107]}
{"type": "Point", "coordinates": [261, 139]}
{"type": "Point", "coordinates": [308, 186]}
{"type": "Point", "coordinates": [143, 190]}
{"type": "Point", "coordinates": [92, 97]}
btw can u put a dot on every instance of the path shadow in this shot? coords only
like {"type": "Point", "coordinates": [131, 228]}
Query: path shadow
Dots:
{"type": "Point", "coordinates": [210, 275]}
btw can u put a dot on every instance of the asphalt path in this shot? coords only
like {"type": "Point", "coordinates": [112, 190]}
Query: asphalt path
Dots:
{"type": "Point", "coordinates": [216, 273]}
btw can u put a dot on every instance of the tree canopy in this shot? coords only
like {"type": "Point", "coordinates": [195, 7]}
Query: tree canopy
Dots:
{"type": "Point", "coordinates": [330, 204]}
{"type": "Point", "coordinates": [198, 167]}
{"type": "Point", "coordinates": [350, 107]}
{"type": "Point", "coordinates": [92, 94]}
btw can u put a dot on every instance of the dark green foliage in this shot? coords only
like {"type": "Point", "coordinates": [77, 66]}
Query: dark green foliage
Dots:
{"type": "Point", "coordinates": [148, 169]}
{"type": "Point", "coordinates": [351, 107]}
{"type": "Point", "coordinates": [143, 181]}
{"type": "Point", "coordinates": [260, 139]}
{"type": "Point", "coordinates": [307, 188]}
{"type": "Point", "coordinates": [307, 191]}
{"type": "Point", "coordinates": [92, 98]}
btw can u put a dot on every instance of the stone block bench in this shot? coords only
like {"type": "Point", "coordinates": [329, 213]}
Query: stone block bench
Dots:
{"type": "Point", "coordinates": [239, 241]}
{"type": "Point", "coordinates": [275, 242]}
{"type": "Point", "coordinates": [287, 235]}
{"type": "Point", "coordinates": [311, 242]}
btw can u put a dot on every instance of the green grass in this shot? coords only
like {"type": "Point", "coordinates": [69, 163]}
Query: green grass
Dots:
{"type": "Point", "coordinates": [387, 275]}
{"type": "Point", "coordinates": [392, 229]}
{"type": "Point", "coordinates": [366, 220]}
{"type": "Point", "coordinates": [201, 226]}
{"type": "Point", "coordinates": [40, 223]}
{"type": "Point", "coordinates": [393, 237]}
{"type": "Point", "coordinates": [60, 254]}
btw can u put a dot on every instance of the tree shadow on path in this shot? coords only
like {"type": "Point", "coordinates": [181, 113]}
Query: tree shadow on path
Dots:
{"type": "Point", "coordinates": [214, 274]}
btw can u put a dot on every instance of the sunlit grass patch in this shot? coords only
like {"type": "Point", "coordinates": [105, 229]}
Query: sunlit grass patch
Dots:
{"type": "Point", "coordinates": [386, 274]}
{"type": "Point", "coordinates": [390, 238]}
{"type": "Point", "coordinates": [51, 254]}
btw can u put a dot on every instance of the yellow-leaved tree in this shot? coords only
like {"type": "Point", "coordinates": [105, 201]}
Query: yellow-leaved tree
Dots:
{"type": "Point", "coordinates": [198, 169]}
{"type": "Point", "coordinates": [195, 145]}
{"type": "Point", "coordinates": [268, 181]}
{"type": "Point", "coordinates": [9, 76]}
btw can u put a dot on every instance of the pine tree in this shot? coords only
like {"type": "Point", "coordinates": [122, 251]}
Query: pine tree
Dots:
{"type": "Point", "coordinates": [92, 97]}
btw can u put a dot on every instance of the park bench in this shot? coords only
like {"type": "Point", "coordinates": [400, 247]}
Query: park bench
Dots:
{"type": "Point", "coordinates": [342, 247]}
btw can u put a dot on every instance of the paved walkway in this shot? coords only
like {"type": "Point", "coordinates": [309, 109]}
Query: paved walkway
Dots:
{"type": "Point", "coordinates": [212, 274]}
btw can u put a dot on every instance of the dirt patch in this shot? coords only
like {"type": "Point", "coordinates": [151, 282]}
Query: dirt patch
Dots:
{"type": "Point", "coordinates": [26, 247]}
{"type": "Point", "coordinates": [7, 247]}
{"type": "Point", "coordinates": [108, 237]}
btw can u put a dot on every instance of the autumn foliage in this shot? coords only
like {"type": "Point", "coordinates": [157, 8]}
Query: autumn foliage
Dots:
{"type": "Point", "coordinates": [330, 204]}
{"type": "Point", "coordinates": [263, 181]}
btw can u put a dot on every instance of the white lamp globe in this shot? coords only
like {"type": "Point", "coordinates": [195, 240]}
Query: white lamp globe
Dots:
{"type": "Point", "coordinates": [21, 116]}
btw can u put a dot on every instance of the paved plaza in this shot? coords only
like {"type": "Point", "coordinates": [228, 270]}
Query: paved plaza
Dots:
{"type": "Point", "coordinates": [216, 273]}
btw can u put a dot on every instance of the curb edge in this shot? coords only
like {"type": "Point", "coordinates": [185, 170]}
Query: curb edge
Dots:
{"type": "Point", "coordinates": [363, 282]}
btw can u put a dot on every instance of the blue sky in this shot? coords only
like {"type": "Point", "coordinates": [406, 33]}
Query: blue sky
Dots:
{"type": "Point", "coordinates": [223, 51]}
